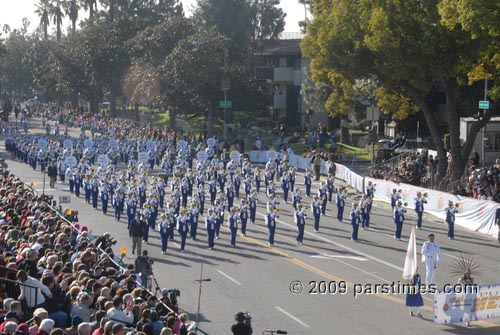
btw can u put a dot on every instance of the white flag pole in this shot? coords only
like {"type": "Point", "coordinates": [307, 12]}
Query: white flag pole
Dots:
{"type": "Point", "coordinates": [410, 267]}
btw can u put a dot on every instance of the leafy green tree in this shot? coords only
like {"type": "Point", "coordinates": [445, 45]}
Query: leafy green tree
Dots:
{"type": "Point", "coordinates": [193, 73]}
{"type": "Point", "coordinates": [43, 11]}
{"type": "Point", "coordinates": [243, 21]}
{"type": "Point", "coordinates": [405, 46]}
{"type": "Point", "coordinates": [268, 19]}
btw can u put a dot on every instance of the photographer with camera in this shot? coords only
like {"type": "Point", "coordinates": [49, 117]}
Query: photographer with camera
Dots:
{"type": "Point", "coordinates": [105, 241]}
{"type": "Point", "coordinates": [169, 298]}
{"type": "Point", "coordinates": [143, 266]}
{"type": "Point", "coordinates": [243, 324]}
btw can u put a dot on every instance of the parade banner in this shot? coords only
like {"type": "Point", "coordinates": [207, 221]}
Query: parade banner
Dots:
{"type": "Point", "coordinates": [477, 215]}
{"type": "Point", "coordinates": [473, 303]}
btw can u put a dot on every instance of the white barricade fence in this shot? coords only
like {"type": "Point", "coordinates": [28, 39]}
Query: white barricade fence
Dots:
{"type": "Point", "coordinates": [352, 179]}
{"type": "Point", "coordinates": [473, 303]}
{"type": "Point", "coordinates": [472, 214]}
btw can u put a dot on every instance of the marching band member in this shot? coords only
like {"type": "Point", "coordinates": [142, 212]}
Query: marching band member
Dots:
{"type": "Point", "coordinates": [316, 212]}
{"type": "Point", "coordinates": [104, 198]}
{"type": "Point", "coordinates": [285, 185]}
{"type": "Point", "coordinates": [230, 193]}
{"type": "Point", "coordinates": [355, 220]}
{"type": "Point", "coordinates": [232, 222]}
{"type": "Point", "coordinates": [330, 186]}
{"type": "Point", "coordinates": [271, 189]}
{"type": "Point", "coordinates": [182, 227]}
{"type": "Point", "coordinates": [94, 192]}
{"type": "Point", "coordinates": [322, 196]}
{"type": "Point", "coordinates": [341, 197]}
{"type": "Point", "coordinates": [237, 183]}
{"type": "Point", "coordinates": [252, 205]}
{"type": "Point", "coordinates": [292, 175]}
{"type": "Point", "coordinates": [271, 217]}
{"type": "Point", "coordinates": [300, 221]}
{"type": "Point", "coordinates": [395, 196]}
{"type": "Point", "coordinates": [308, 182]}
{"type": "Point", "coordinates": [77, 181]}
{"type": "Point", "coordinates": [370, 189]}
{"type": "Point", "coordinates": [257, 179]}
{"type": "Point", "coordinates": [243, 216]}
{"type": "Point", "coordinates": [296, 198]}
{"type": "Point", "coordinates": [419, 208]}
{"type": "Point", "coordinates": [194, 213]}
{"type": "Point", "coordinates": [247, 185]}
{"type": "Point", "coordinates": [367, 203]}
{"type": "Point", "coordinates": [398, 217]}
{"type": "Point", "coordinates": [450, 219]}
{"type": "Point", "coordinates": [164, 227]}
{"type": "Point", "coordinates": [87, 188]}
{"type": "Point", "coordinates": [210, 222]}
{"type": "Point", "coordinates": [146, 215]}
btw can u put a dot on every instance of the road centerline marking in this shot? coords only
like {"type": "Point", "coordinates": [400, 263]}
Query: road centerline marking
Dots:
{"type": "Point", "coordinates": [294, 318]}
{"type": "Point", "coordinates": [230, 278]}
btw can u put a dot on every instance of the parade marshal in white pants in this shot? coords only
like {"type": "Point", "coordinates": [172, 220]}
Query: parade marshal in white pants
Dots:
{"type": "Point", "coordinates": [431, 255]}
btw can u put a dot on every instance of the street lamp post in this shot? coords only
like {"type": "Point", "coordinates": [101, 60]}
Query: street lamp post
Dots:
{"type": "Point", "coordinates": [373, 135]}
{"type": "Point", "coordinates": [484, 127]}
{"type": "Point", "coordinates": [225, 88]}
{"type": "Point", "coordinates": [199, 296]}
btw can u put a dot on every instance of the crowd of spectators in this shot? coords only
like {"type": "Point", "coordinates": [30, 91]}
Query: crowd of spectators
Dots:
{"type": "Point", "coordinates": [420, 169]}
{"type": "Point", "coordinates": [415, 169]}
{"type": "Point", "coordinates": [481, 183]}
{"type": "Point", "coordinates": [54, 280]}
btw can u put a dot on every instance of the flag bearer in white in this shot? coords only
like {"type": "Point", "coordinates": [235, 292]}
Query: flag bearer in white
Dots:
{"type": "Point", "coordinates": [431, 255]}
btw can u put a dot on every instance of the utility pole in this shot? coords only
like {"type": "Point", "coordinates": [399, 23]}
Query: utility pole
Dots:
{"type": "Point", "coordinates": [199, 296]}
{"type": "Point", "coordinates": [225, 89]}
{"type": "Point", "coordinates": [484, 127]}
{"type": "Point", "coordinates": [373, 135]}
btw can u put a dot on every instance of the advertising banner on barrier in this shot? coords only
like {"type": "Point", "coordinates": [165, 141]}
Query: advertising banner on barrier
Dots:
{"type": "Point", "coordinates": [473, 303]}
{"type": "Point", "coordinates": [473, 214]}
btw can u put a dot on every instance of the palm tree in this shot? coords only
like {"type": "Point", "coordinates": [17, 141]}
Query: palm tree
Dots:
{"type": "Point", "coordinates": [57, 16]}
{"type": "Point", "coordinates": [71, 9]}
{"type": "Point", "coordinates": [43, 10]}
{"type": "Point", "coordinates": [90, 5]}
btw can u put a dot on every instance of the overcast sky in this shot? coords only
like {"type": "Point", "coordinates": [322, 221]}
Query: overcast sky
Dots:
{"type": "Point", "coordinates": [13, 11]}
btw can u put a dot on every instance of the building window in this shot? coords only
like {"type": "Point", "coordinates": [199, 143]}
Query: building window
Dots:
{"type": "Point", "coordinates": [491, 141]}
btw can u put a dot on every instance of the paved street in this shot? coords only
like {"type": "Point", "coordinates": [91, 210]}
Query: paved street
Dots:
{"type": "Point", "coordinates": [255, 278]}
